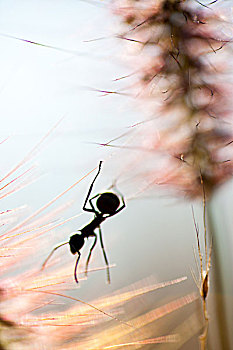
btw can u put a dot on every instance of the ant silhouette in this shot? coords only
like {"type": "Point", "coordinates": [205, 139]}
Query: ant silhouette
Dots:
{"type": "Point", "coordinates": [107, 204]}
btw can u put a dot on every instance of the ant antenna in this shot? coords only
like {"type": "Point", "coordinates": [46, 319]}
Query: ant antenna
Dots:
{"type": "Point", "coordinates": [113, 185]}
{"type": "Point", "coordinates": [75, 269]}
{"type": "Point", "coordinates": [50, 254]}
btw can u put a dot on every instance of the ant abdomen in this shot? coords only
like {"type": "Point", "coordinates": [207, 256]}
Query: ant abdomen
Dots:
{"type": "Point", "coordinates": [76, 242]}
{"type": "Point", "coordinates": [107, 203]}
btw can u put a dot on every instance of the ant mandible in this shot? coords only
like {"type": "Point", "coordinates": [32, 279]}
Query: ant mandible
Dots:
{"type": "Point", "coordinates": [107, 203]}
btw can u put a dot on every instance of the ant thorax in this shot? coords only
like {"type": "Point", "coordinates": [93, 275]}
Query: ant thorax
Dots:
{"type": "Point", "coordinates": [89, 229]}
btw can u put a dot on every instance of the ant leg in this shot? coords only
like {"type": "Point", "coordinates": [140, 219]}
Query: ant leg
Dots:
{"type": "Point", "coordinates": [49, 256]}
{"type": "Point", "coordinates": [122, 207]}
{"type": "Point", "coordinates": [118, 210]}
{"type": "Point", "coordinates": [122, 200]}
{"type": "Point", "coordinates": [91, 204]}
{"type": "Point", "coordinates": [104, 253]}
{"type": "Point", "coordinates": [75, 269]}
{"type": "Point", "coordinates": [89, 255]}
{"type": "Point", "coordinates": [90, 189]}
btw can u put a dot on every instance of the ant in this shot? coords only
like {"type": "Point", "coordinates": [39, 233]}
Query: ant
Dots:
{"type": "Point", "coordinates": [107, 204]}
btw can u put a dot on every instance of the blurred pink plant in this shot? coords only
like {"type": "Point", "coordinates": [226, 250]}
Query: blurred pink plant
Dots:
{"type": "Point", "coordinates": [180, 57]}
{"type": "Point", "coordinates": [180, 62]}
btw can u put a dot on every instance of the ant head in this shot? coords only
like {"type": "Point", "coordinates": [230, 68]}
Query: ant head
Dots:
{"type": "Point", "coordinates": [107, 203]}
{"type": "Point", "coordinates": [76, 242]}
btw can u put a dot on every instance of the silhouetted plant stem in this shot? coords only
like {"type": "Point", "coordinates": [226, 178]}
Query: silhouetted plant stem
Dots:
{"type": "Point", "coordinates": [217, 281]}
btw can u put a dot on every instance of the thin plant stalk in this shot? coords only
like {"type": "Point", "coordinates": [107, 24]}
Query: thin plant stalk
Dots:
{"type": "Point", "coordinates": [204, 269]}
{"type": "Point", "coordinates": [218, 284]}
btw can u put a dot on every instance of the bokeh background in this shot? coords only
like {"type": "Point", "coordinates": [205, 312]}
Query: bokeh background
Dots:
{"type": "Point", "coordinates": [153, 238]}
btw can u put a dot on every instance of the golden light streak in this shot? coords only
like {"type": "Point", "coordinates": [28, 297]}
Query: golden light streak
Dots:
{"type": "Point", "coordinates": [119, 298]}
{"type": "Point", "coordinates": [186, 330]}
{"type": "Point", "coordinates": [16, 178]}
{"type": "Point", "coordinates": [172, 338]}
{"type": "Point", "coordinates": [51, 216]}
{"type": "Point", "coordinates": [17, 188]}
{"type": "Point", "coordinates": [49, 203]}
{"type": "Point", "coordinates": [114, 333]}
{"type": "Point", "coordinates": [48, 227]}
